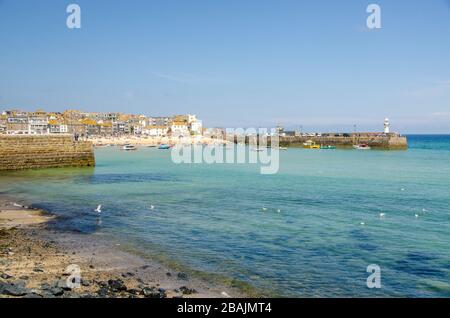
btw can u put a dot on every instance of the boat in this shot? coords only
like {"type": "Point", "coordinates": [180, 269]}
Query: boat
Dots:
{"type": "Point", "coordinates": [311, 145]}
{"type": "Point", "coordinates": [283, 148]}
{"type": "Point", "coordinates": [257, 149]}
{"type": "Point", "coordinates": [129, 147]}
{"type": "Point", "coordinates": [151, 146]}
{"type": "Point", "coordinates": [362, 147]}
{"type": "Point", "coordinates": [328, 147]}
{"type": "Point", "coordinates": [164, 147]}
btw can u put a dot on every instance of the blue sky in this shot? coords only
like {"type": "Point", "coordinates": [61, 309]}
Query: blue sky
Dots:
{"type": "Point", "coordinates": [234, 62]}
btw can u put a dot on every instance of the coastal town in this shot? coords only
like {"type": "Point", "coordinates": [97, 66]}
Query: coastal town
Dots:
{"type": "Point", "coordinates": [86, 124]}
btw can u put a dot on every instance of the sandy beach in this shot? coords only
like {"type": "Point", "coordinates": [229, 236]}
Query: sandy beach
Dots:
{"type": "Point", "coordinates": [37, 262]}
{"type": "Point", "coordinates": [154, 141]}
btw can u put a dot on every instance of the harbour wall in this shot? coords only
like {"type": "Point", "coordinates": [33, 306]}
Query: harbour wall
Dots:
{"type": "Point", "coordinates": [388, 142]}
{"type": "Point", "coordinates": [375, 141]}
{"type": "Point", "coordinates": [44, 151]}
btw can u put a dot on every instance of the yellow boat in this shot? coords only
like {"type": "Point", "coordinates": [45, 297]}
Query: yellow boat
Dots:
{"type": "Point", "coordinates": [311, 145]}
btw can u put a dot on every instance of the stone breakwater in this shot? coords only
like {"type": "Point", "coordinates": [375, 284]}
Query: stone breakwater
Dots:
{"type": "Point", "coordinates": [46, 151]}
{"type": "Point", "coordinates": [388, 142]}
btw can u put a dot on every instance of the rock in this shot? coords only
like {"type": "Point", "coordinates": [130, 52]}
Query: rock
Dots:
{"type": "Point", "coordinates": [56, 291]}
{"type": "Point", "coordinates": [117, 285]}
{"type": "Point", "coordinates": [24, 277]}
{"type": "Point", "coordinates": [13, 289]}
{"type": "Point", "coordinates": [86, 283]}
{"type": "Point", "coordinates": [182, 276]}
{"type": "Point", "coordinates": [46, 287]}
{"type": "Point", "coordinates": [133, 291]}
{"type": "Point", "coordinates": [38, 270]}
{"type": "Point", "coordinates": [5, 276]}
{"type": "Point", "coordinates": [62, 284]}
{"type": "Point", "coordinates": [33, 295]}
{"type": "Point", "coordinates": [169, 274]}
{"type": "Point", "coordinates": [153, 292]}
{"type": "Point", "coordinates": [187, 291]}
{"type": "Point", "coordinates": [102, 292]}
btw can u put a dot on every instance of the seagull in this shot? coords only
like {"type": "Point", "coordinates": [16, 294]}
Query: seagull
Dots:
{"type": "Point", "coordinates": [362, 223]}
{"type": "Point", "coordinates": [402, 189]}
{"type": "Point", "coordinates": [382, 215]}
{"type": "Point", "coordinates": [424, 210]}
{"type": "Point", "coordinates": [279, 211]}
{"type": "Point", "coordinates": [99, 209]}
{"type": "Point", "coordinates": [264, 209]}
{"type": "Point", "coordinates": [416, 215]}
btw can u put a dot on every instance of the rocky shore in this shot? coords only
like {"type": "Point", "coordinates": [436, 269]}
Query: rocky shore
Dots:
{"type": "Point", "coordinates": [36, 262]}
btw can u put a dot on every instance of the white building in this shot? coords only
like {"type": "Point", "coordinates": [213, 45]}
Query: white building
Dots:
{"type": "Point", "coordinates": [155, 131]}
{"type": "Point", "coordinates": [180, 129]}
{"type": "Point", "coordinates": [38, 125]}
{"type": "Point", "coordinates": [197, 127]}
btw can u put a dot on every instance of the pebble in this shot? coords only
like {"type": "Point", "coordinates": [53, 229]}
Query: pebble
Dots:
{"type": "Point", "coordinates": [182, 276]}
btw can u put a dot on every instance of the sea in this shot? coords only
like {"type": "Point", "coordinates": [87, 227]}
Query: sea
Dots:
{"type": "Point", "coordinates": [323, 226]}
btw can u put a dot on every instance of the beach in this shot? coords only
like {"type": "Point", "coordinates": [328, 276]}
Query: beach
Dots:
{"type": "Point", "coordinates": [37, 262]}
{"type": "Point", "coordinates": [153, 141]}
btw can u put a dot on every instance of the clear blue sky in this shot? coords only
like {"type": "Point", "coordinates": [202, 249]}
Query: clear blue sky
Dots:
{"type": "Point", "coordinates": [233, 62]}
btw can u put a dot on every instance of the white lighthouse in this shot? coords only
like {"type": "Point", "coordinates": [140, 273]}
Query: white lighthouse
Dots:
{"type": "Point", "coordinates": [387, 126]}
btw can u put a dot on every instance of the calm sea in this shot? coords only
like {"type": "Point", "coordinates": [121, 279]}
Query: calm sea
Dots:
{"type": "Point", "coordinates": [296, 233]}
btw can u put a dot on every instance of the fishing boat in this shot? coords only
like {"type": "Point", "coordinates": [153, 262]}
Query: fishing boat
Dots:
{"type": "Point", "coordinates": [328, 147]}
{"type": "Point", "coordinates": [311, 145]}
{"type": "Point", "coordinates": [362, 147]}
{"type": "Point", "coordinates": [164, 147]}
{"type": "Point", "coordinates": [129, 147]}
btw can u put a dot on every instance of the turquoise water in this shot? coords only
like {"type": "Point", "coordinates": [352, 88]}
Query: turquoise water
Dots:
{"type": "Point", "coordinates": [210, 217]}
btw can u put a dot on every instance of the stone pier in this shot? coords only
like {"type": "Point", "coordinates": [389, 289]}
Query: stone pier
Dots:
{"type": "Point", "coordinates": [44, 151]}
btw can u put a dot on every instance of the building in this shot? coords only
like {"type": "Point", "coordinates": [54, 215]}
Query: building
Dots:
{"type": "Point", "coordinates": [38, 125]}
{"type": "Point", "coordinates": [155, 131]}
{"type": "Point", "coordinates": [158, 121]}
{"type": "Point", "coordinates": [179, 129]}
{"type": "Point", "coordinates": [197, 127]}
{"type": "Point", "coordinates": [56, 127]}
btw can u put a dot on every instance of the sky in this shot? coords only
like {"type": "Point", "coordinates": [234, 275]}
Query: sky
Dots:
{"type": "Point", "coordinates": [234, 63]}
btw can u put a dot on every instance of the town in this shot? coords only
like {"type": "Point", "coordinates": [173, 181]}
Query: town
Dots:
{"type": "Point", "coordinates": [91, 124]}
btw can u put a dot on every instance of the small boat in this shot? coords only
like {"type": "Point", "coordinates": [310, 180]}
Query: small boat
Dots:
{"type": "Point", "coordinates": [257, 149]}
{"type": "Point", "coordinates": [151, 146]}
{"type": "Point", "coordinates": [283, 148]}
{"type": "Point", "coordinates": [311, 145]}
{"type": "Point", "coordinates": [362, 147]}
{"type": "Point", "coordinates": [129, 147]}
{"type": "Point", "coordinates": [164, 147]}
{"type": "Point", "coordinates": [328, 147]}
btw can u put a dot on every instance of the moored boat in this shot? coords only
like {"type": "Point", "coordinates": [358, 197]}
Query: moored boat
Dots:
{"type": "Point", "coordinates": [311, 145]}
{"type": "Point", "coordinates": [129, 147]}
{"type": "Point", "coordinates": [328, 147]}
{"type": "Point", "coordinates": [164, 147]}
{"type": "Point", "coordinates": [362, 147]}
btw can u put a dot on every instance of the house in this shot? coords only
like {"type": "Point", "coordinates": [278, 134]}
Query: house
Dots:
{"type": "Point", "coordinates": [155, 131]}
{"type": "Point", "coordinates": [38, 124]}
{"type": "Point", "coordinates": [196, 127]}
{"type": "Point", "coordinates": [56, 127]}
{"type": "Point", "coordinates": [180, 129]}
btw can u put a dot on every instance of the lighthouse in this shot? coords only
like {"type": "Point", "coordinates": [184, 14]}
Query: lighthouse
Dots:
{"type": "Point", "coordinates": [387, 126]}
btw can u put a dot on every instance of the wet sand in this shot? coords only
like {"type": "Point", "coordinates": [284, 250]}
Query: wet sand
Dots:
{"type": "Point", "coordinates": [38, 262]}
